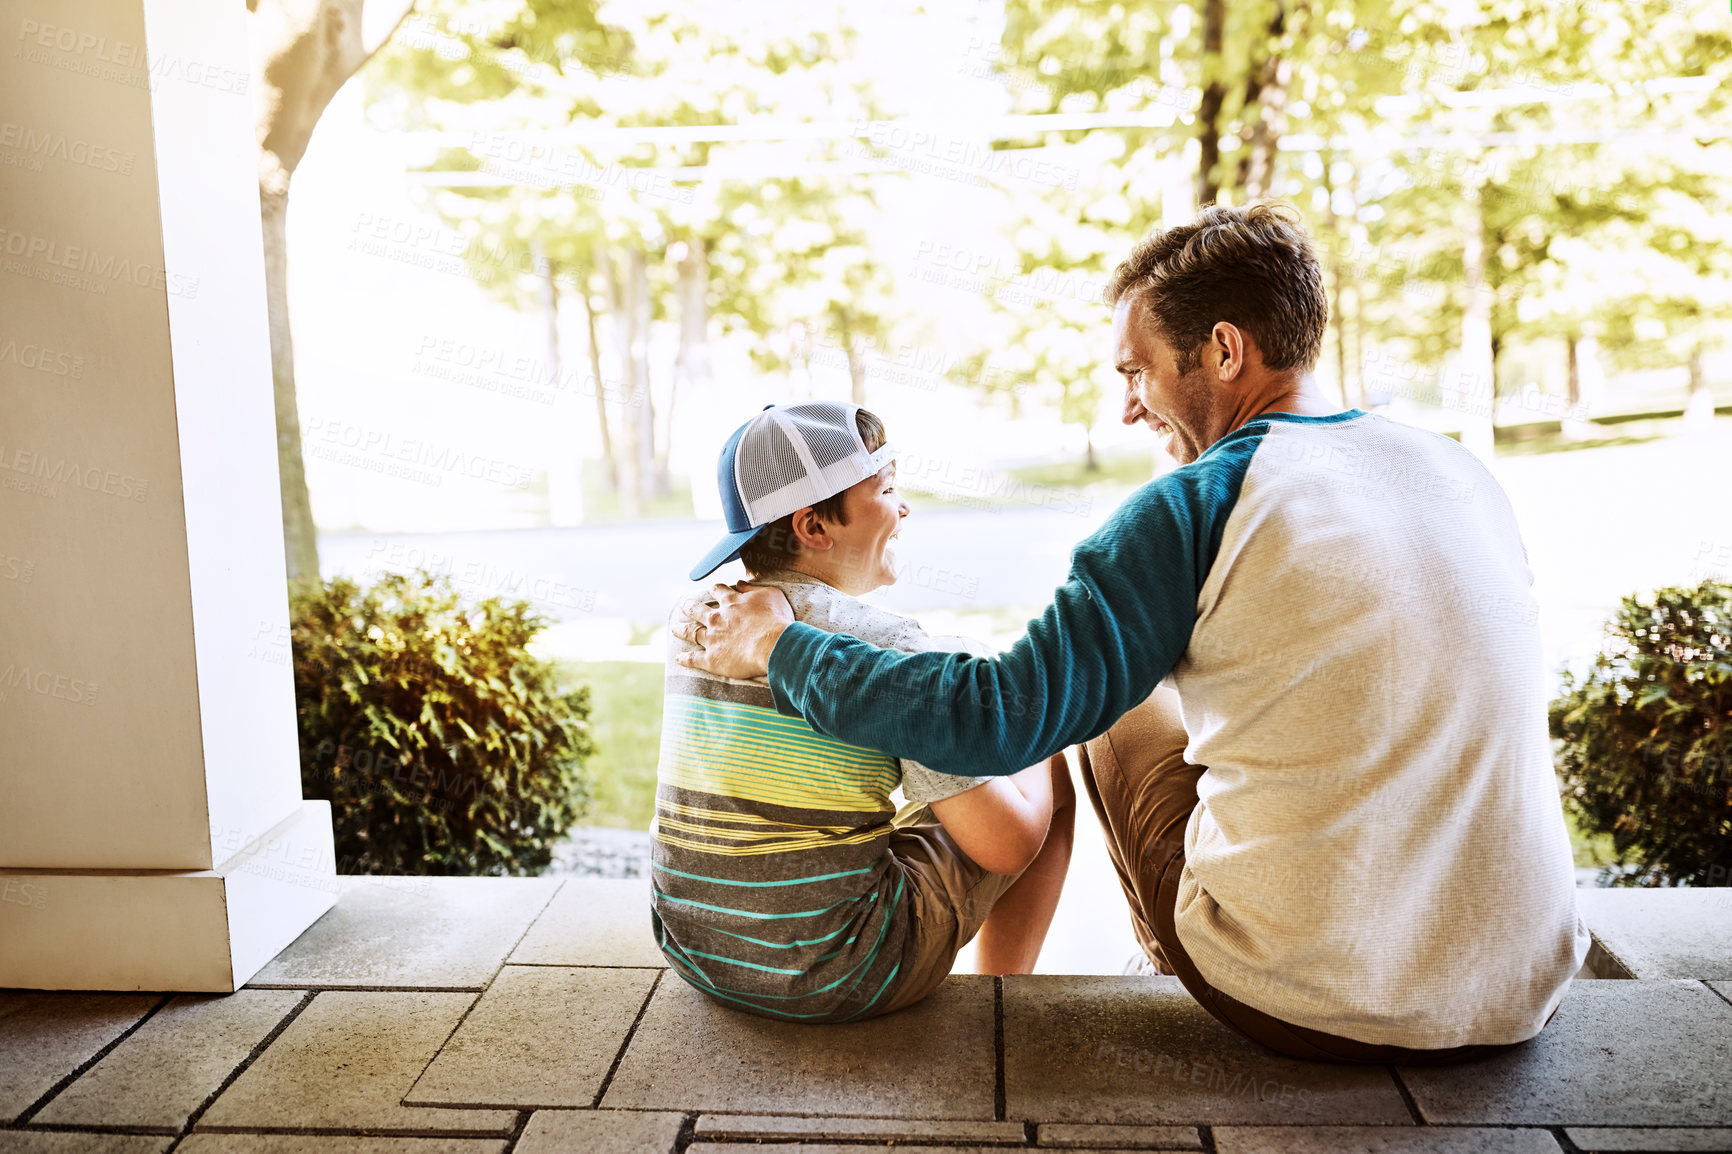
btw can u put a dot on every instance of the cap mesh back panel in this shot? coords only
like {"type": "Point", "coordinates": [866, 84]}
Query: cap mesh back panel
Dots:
{"type": "Point", "coordinates": [828, 443]}
{"type": "Point", "coordinates": [767, 462]}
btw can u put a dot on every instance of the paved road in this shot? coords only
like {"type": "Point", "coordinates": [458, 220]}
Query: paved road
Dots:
{"type": "Point", "coordinates": [1598, 523]}
{"type": "Point", "coordinates": [954, 559]}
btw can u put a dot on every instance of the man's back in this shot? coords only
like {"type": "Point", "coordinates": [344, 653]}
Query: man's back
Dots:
{"type": "Point", "coordinates": [1378, 850]}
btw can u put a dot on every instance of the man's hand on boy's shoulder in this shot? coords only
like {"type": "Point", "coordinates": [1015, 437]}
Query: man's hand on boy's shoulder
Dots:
{"type": "Point", "coordinates": [734, 628]}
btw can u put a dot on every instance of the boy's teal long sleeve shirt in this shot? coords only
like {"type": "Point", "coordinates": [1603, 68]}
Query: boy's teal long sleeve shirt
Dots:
{"type": "Point", "coordinates": [1116, 626]}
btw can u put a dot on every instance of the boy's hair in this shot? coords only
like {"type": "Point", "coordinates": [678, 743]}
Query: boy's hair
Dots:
{"type": "Point", "coordinates": [1252, 267]}
{"type": "Point", "coordinates": [777, 544]}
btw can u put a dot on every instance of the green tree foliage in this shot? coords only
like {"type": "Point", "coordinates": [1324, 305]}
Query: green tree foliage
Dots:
{"type": "Point", "coordinates": [1401, 129]}
{"type": "Point", "coordinates": [1645, 738]}
{"type": "Point", "coordinates": [442, 743]}
{"type": "Point", "coordinates": [565, 196]}
{"type": "Point", "coordinates": [1565, 136]}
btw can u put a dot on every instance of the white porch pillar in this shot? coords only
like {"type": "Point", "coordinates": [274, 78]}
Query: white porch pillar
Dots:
{"type": "Point", "coordinates": [152, 832]}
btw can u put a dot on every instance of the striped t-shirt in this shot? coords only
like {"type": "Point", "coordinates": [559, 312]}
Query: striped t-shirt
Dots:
{"type": "Point", "coordinates": [775, 888]}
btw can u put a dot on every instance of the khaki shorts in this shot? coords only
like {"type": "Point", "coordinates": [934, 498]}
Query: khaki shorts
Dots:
{"type": "Point", "coordinates": [948, 900]}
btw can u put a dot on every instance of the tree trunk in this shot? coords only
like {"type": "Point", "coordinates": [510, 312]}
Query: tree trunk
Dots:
{"type": "Point", "coordinates": [600, 391]}
{"type": "Point", "coordinates": [692, 363]}
{"type": "Point", "coordinates": [1699, 407]}
{"type": "Point", "coordinates": [1474, 393]}
{"type": "Point", "coordinates": [1573, 378]}
{"type": "Point", "coordinates": [651, 466]}
{"type": "Point", "coordinates": [1266, 93]}
{"type": "Point", "coordinates": [1358, 358]}
{"type": "Point", "coordinates": [620, 308]}
{"type": "Point", "coordinates": [1209, 106]}
{"type": "Point", "coordinates": [856, 373]}
{"type": "Point", "coordinates": [1337, 313]}
{"type": "Point", "coordinates": [300, 534]}
{"type": "Point", "coordinates": [1091, 463]}
{"type": "Point", "coordinates": [692, 360]}
{"type": "Point", "coordinates": [565, 471]}
{"type": "Point", "coordinates": [302, 52]}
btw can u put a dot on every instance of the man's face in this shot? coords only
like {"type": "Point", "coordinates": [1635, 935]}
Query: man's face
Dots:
{"type": "Point", "coordinates": [1180, 408]}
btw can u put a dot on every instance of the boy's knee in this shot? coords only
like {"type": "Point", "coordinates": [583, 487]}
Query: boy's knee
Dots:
{"type": "Point", "coordinates": [1063, 791]}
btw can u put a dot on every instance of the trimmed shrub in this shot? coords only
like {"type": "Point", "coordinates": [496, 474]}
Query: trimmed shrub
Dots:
{"type": "Point", "coordinates": [443, 745]}
{"type": "Point", "coordinates": [1645, 737]}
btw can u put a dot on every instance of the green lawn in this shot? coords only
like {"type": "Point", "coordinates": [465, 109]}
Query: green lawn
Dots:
{"type": "Point", "coordinates": [1592, 849]}
{"type": "Point", "coordinates": [626, 722]}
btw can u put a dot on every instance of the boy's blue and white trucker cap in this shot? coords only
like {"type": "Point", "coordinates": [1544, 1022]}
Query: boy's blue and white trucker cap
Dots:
{"type": "Point", "coordinates": [784, 459]}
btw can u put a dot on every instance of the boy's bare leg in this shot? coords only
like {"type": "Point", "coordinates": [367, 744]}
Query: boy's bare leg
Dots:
{"type": "Point", "coordinates": [1011, 937]}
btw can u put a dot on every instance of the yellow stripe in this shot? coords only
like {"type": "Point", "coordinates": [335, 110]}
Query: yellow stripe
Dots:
{"type": "Point", "coordinates": [701, 777]}
{"type": "Point", "coordinates": [767, 725]}
{"type": "Point", "coordinates": [736, 818]}
{"type": "Point", "coordinates": [760, 850]}
{"type": "Point", "coordinates": [805, 791]}
{"type": "Point", "coordinates": [770, 756]}
{"type": "Point", "coordinates": [740, 834]}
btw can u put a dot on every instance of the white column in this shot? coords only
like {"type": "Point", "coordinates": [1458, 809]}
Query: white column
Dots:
{"type": "Point", "coordinates": [152, 832]}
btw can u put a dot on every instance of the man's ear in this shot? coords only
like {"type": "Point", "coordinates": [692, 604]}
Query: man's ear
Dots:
{"type": "Point", "coordinates": [811, 532]}
{"type": "Point", "coordinates": [1227, 351]}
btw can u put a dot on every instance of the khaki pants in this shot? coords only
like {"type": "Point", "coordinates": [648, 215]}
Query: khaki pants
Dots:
{"type": "Point", "coordinates": [1143, 792]}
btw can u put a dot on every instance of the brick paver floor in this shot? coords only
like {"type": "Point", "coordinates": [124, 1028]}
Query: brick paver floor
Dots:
{"type": "Point", "coordinates": [494, 1015]}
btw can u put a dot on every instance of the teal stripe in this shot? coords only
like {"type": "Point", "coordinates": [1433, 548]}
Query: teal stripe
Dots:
{"type": "Point", "coordinates": [784, 945]}
{"type": "Point", "coordinates": [748, 965]}
{"type": "Point", "coordinates": [789, 882]}
{"type": "Point", "coordinates": [799, 734]}
{"type": "Point", "coordinates": [895, 905]}
{"type": "Point", "coordinates": [752, 913]}
{"type": "Point", "coordinates": [676, 953]}
{"type": "Point", "coordinates": [741, 1001]}
{"type": "Point", "coordinates": [709, 987]}
{"type": "Point", "coordinates": [885, 986]}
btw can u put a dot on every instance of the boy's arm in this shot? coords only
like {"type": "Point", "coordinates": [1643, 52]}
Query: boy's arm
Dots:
{"type": "Point", "coordinates": [1001, 824]}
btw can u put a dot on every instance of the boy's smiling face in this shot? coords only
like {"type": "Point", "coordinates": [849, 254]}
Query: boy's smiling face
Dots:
{"type": "Point", "coordinates": [860, 558]}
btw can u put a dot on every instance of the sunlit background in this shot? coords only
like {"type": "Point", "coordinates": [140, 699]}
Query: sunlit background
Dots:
{"type": "Point", "coordinates": [543, 257]}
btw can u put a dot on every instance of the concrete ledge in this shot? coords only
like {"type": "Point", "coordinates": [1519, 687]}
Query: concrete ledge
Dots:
{"type": "Point", "coordinates": [1660, 933]}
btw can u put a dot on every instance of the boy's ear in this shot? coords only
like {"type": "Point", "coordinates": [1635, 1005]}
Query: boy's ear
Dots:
{"type": "Point", "coordinates": [810, 530]}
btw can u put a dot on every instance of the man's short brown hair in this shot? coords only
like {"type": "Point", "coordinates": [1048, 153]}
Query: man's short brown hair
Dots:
{"type": "Point", "coordinates": [1252, 267]}
{"type": "Point", "coordinates": [777, 545]}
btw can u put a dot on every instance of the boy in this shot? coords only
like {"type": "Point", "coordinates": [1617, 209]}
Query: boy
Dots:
{"type": "Point", "coordinates": [785, 881]}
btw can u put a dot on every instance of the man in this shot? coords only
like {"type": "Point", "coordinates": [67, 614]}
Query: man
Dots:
{"type": "Point", "coordinates": [1306, 666]}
